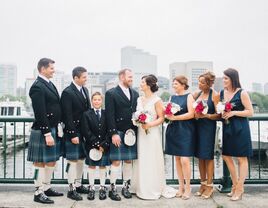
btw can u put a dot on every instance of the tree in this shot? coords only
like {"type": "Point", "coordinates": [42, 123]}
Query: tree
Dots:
{"type": "Point", "coordinates": [165, 96]}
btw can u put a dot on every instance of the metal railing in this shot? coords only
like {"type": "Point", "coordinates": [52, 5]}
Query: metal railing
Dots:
{"type": "Point", "coordinates": [14, 167]}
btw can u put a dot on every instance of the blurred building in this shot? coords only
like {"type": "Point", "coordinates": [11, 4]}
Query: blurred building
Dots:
{"type": "Point", "coordinates": [8, 79]}
{"type": "Point", "coordinates": [257, 87]}
{"type": "Point", "coordinates": [192, 70]}
{"type": "Point", "coordinates": [139, 61]}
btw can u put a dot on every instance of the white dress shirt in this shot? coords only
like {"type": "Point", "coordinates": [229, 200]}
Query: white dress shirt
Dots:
{"type": "Point", "coordinates": [125, 90]}
{"type": "Point", "coordinates": [43, 77]}
{"type": "Point", "coordinates": [96, 111]}
{"type": "Point", "coordinates": [79, 89]}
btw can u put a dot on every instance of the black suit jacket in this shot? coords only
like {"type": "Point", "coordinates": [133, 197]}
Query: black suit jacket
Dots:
{"type": "Point", "coordinates": [95, 131]}
{"type": "Point", "coordinates": [46, 105]}
{"type": "Point", "coordinates": [73, 105]}
{"type": "Point", "coordinates": [119, 109]}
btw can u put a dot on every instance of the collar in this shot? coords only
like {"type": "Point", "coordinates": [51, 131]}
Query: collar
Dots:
{"type": "Point", "coordinates": [123, 87]}
{"type": "Point", "coordinates": [43, 77]}
{"type": "Point", "coordinates": [95, 110]}
{"type": "Point", "coordinates": [77, 86]}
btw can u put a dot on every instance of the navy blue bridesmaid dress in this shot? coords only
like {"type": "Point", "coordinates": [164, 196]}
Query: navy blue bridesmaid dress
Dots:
{"type": "Point", "coordinates": [205, 133]}
{"type": "Point", "coordinates": [236, 134]}
{"type": "Point", "coordinates": [180, 135]}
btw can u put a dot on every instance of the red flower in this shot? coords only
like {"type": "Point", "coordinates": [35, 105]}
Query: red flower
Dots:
{"type": "Point", "coordinates": [168, 109]}
{"type": "Point", "coordinates": [228, 107]}
{"type": "Point", "coordinates": [142, 118]}
{"type": "Point", "coordinates": [200, 107]}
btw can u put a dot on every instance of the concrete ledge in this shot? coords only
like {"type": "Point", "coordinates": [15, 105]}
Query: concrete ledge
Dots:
{"type": "Point", "coordinates": [20, 196]}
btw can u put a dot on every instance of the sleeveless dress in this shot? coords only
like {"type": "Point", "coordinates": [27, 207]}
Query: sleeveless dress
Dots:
{"type": "Point", "coordinates": [148, 179]}
{"type": "Point", "coordinates": [236, 134]}
{"type": "Point", "coordinates": [180, 135]}
{"type": "Point", "coordinates": [205, 133]}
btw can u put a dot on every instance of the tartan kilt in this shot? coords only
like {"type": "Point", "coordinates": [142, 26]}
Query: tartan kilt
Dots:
{"type": "Point", "coordinates": [74, 151]}
{"type": "Point", "coordinates": [123, 152]}
{"type": "Point", "coordinates": [104, 161]}
{"type": "Point", "coordinates": [38, 151]}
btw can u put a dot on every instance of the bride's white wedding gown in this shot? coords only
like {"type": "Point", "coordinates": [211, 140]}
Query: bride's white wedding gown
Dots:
{"type": "Point", "coordinates": [148, 179]}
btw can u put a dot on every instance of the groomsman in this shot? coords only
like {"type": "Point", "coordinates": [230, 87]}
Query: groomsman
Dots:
{"type": "Point", "coordinates": [74, 102]}
{"type": "Point", "coordinates": [120, 104]}
{"type": "Point", "coordinates": [44, 145]}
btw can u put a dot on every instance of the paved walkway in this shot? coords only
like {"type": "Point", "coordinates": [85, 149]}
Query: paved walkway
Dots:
{"type": "Point", "coordinates": [21, 196]}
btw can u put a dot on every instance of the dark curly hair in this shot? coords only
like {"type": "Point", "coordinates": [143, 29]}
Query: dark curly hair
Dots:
{"type": "Point", "coordinates": [151, 81]}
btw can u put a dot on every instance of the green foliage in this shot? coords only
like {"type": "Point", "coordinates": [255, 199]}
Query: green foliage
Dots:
{"type": "Point", "coordinates": [13, 98]}
{"type": "Point", "coordinates": [260, 100]}
{"type": "Point", "coordinates": [165, 96]}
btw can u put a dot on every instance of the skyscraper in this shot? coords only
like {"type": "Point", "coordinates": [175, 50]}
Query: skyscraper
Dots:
{"type": "Point", "coordinates": [8, 79]}
{"type": "Point", "coordinates": [139, 61]}
{"type": "Point", "coordinates": [191, 70]}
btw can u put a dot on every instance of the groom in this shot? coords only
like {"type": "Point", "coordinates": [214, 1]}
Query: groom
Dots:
{"type": "Point", "coordinates": [120, 104]}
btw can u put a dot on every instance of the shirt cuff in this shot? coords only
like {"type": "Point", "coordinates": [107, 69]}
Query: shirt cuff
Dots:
{"type": "Point", "coordinates": [47, 134]}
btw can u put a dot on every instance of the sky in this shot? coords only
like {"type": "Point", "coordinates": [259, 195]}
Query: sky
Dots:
{"type": "Point", "coordinates": [91, 33]}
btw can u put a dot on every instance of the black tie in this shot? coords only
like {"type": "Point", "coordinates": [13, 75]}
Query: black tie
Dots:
{"type": "Point", "coordinates": [81, 90]}
{"type": "Point", "coordinates": [98, 114]}
{"type": "Point", "coordinates": [51, 84]}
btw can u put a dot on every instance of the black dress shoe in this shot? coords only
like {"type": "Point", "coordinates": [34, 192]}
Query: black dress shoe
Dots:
{"type": "Point", "coordinates": [102, 193]}
{"type": "Point", "coordinates": [82, 190]}
{"type": "Point", "coordinates": [114, 195]}
{"type": "Point", "coordinates": [52, 192]}
{"type": "Point", "coordinates": [126, 193]}
{"type": "Point", "coordinates": [74, 195]}
{"type": "Point", "coordinates": [42, 198]}
{"type": "Point", "coordinates": [91, 193]}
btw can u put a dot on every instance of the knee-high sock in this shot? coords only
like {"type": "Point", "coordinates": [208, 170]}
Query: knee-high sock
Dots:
{"type": "Point", "coordinates": [102, 176]}
{"type": "Point", "coordinates": [127, 171]}
{"type": "Point", "coordinates": [71, 173]}
{"type": "Point", "coordinates": [38, 179]}
{"type": "Point", "coordinates": [79, 173]}
{"type": "Point", "coordinates": [115, 170]}
{"type": "Point", "coordinates": [91, 176]}
{"type": "Point", "coordinates": [48, 176]}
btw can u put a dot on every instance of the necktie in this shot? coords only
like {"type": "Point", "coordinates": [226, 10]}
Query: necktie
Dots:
{"type": "Point", "coordinates": [82, 92]}
{"type": "Point", "coordinates": [98, 114]}
{"type": "Point", "coordinates": [51, 84]}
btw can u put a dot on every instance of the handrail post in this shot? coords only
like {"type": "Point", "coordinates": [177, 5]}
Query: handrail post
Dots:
{"type": "Point", "coordinates": [226, 182]}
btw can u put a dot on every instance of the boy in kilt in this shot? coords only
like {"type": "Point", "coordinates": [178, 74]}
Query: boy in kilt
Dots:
{"type": "Point", "coordinates": [120, 104]}
{"type": "Point", "coordinates": [94, 130]}
{"type": "Point", "coordinates": [44, 145]}
{"type": "Point", "coordinates": [74, 102]}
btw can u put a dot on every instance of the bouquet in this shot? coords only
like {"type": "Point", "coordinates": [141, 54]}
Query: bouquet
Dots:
{"type": "Point", "coordinates": [201, 107]}
{"type": "Point", "coordinates": [141, 117]}
{"type": "Point", "coordinates": [171, 109]}
{"type": "Point", "coordinates": [224, 107]}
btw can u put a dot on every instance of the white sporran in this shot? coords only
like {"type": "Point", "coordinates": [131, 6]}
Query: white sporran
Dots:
{"type": "Point", "coordinates": [130, 137]}
{"type": "Point", "coordinates": [95, 154]}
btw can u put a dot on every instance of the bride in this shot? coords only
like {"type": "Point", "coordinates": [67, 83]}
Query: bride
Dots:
{"type": "Point", "coordinates": [148, 180]}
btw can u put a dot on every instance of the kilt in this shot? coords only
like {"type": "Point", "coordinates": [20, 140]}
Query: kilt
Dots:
{"type": "Point", "coordinates": [73, 151]}
{"type": "Point", "coordinates": [38, 151]}
{"type": "Point", "coordinates": [104, 161]}
{"type": "Point", "coordinates": [123, 152]}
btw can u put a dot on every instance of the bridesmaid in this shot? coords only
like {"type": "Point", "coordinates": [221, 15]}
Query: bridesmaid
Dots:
{"type": "Point", "coordinates": [236, 133]}
{"type": "Point", "coordinates": [180, 135]}
{"type": "Point", "coordinates": [206, 130]}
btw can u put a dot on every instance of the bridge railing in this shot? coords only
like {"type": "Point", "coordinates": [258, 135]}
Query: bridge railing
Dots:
{"type": "Point", "coordinates": [14, 167]}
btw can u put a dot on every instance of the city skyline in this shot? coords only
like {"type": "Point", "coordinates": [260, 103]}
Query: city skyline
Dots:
{"type": "Point", "coordinates": [92, 33]}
